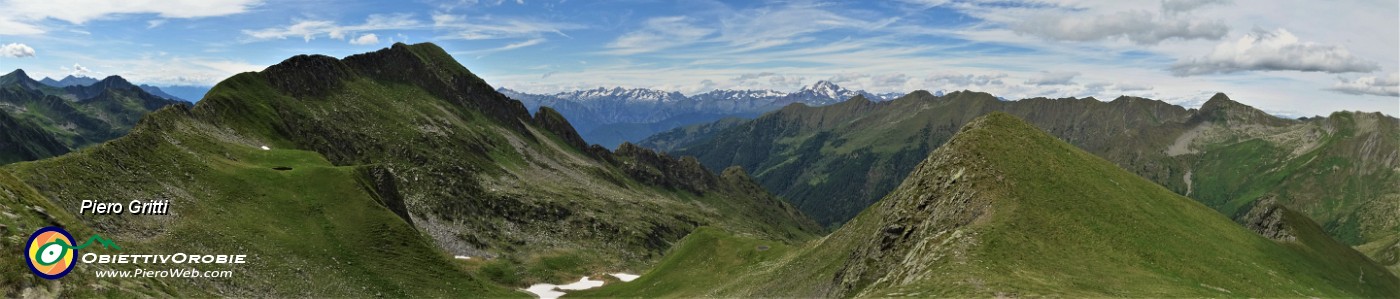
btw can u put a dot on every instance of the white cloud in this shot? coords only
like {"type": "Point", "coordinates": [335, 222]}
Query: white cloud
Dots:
{"type": "Point", "coordinates": [155, 23]}
{"type": "Point", "coordinates": [1138, 26]}
{"type": "Point", "coordinates": [659, 33]}
{"type": "Point", "coordinates": [948, 81]}
{"type": "Point", "coordinates": [367, 39]}
{"type": "Point", "coordinates": [311, 29]}
{"type": "Point", "coordinates": [181, 70]}
{"type": "Point", "coordinates": [78, 71]}
{"type": "Point", "coordinates": [21, 17]}
{"type": "Point", "coordinates": [1172, 7]}
{"type": "Point", "coordinates": [16, 50]}
{"type": "Point", "coordinates": [1054, 78]}
{"type": "Point", "coordinates": [1388, 86]}
{"type": "Point", "coordinates": [1278, 50]}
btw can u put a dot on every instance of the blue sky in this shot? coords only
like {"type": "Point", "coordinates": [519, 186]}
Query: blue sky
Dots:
{"type": "Point", "coordinates": [1285, 57]}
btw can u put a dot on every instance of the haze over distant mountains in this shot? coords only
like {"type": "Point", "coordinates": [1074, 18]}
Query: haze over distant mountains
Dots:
{"type": "Point", "coordinates": [178, 93]}
{"type": "Point", "coordinates": [609, 116]}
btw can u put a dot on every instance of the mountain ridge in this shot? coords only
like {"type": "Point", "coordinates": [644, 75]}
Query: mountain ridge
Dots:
{"type": "Point", "coordinates": [1005, 209]}
{"type": "Point", "coordinates": [1225, 154]}
{"type": "Point", "coordinates": [77, 116]}
{"type": "Point", "coordinates": [448, 167]}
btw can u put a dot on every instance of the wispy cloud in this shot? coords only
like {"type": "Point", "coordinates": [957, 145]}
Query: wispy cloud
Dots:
{"type": "Point", "coordinates": [311, 29]}
{"type": "Point", "coordinates": [462, 27]}
{"type": "Point", "coordinates": [1053, 78]}
{"type": "Point", "coordinates": [508, 47]}
{"type": "Point", "coordinates": [24, 17]}
{"type": "Point", "coordinates": [658, 34]}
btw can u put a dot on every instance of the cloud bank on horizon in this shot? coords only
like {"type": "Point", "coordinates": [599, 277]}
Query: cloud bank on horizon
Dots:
{"type": "Point", "coordinates": [1299, 58]}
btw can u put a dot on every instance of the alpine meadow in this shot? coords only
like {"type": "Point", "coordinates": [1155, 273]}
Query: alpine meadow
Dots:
{"type": "Point", "coordinates": [700, 149]}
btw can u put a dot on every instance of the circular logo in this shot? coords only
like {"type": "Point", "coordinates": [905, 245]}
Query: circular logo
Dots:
{"type": "Point", "coordinates": [50, 252]}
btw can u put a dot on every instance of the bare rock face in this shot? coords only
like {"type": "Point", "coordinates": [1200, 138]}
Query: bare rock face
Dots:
{"type": "Point", "coordinates": [555, 123]}
{"type": "Point", "coordinates": [308, 75]}
{"type": "Point", "coordinates": [1267, 219]}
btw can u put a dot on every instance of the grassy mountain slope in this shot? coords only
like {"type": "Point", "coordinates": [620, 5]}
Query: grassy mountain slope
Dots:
{"type": "Point", "coordinates": [77, 116]}
{"type": "Point", "coordinates": [834, 161]}
{"type": "Point", "coordinates": [22, 211]}
{"type": "Point", "coordinates": [23, 141]}
{"type": "Point", "coordinates": [1004, 209]}
{"type": "Point", "coordinates": [382, 166]}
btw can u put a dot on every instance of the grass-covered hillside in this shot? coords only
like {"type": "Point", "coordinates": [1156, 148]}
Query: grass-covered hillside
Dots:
{"type": "Point", "coordinates": [379, 168]}
{"type": "Point", "coordinates": [834, 161]}
{"type": "Point", "coordinates": [1006, 210]}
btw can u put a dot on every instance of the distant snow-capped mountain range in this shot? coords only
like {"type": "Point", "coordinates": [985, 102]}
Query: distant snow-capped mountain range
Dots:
{"type": "Point", "coordinates": [718, 101]}
{"type": "Point", "coordinates": [609, 116]}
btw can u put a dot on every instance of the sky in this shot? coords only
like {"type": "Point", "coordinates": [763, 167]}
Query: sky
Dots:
{"type": "Point", "coordinates": [1291, 58]}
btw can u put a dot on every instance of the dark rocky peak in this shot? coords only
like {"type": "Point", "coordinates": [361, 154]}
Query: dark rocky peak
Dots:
{"type": "Point", "coordinates": [970, 97]}
{"type": "Point", "coordinates": [661, 169]}
{"type": "Point", "coordinates": [1269, 219]}
{"type": "Point", "coordinates": [431, 68]}
{"type": "Point", "coordinates": [115, 81]}
{"type": "Point", "coordinates": [307, 75]}
{"type": "Point", "coordinates": [920, 94]}
{"type": "Point", "coordinates": [1219, 101]}
{"type": "Point", "coordinates": [17, 74]}
{"type": "Point", "coordinates": [555, 123]}
{"type": "Point", "coordinates": [1220, 108]}
{"type": "Point", "coordinates": [19, 77]}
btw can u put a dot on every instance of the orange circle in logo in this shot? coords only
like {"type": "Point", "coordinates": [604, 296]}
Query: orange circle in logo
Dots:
{"type": "Point", "coordinates": [50, 252]}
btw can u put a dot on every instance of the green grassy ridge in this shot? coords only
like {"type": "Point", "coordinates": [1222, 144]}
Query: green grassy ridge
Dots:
{"type": "Point", "coordinates": [1007, 210]}
{"type": "Point", "coordinates": [789, 149]}
{"type": "Point", "coordinates": [833, 161]}
{"type": "Point", "coordinates": [470, 180]}
{"type": "Point", "coordinates": [24, 210]}
{"type": "Point", "coordinates": [314, 224]}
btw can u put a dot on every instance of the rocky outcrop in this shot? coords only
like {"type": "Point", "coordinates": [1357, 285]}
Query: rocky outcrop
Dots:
{"type": "Point", "coordinates": [555, 123]}
{"type": "Point", "coordinates": [1221, 109]}
{"type": "Point", "coordinates": [430, 67]}
{"type": "Point", "coordinates": [648, 166]}
{"type": "Point", "coordinates": [307, 75]}
{"type": "Point", "coordinates": [382, 183]}
{"type": "Point", "coordinates": [1268, 218]}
